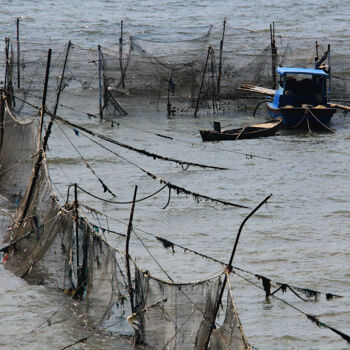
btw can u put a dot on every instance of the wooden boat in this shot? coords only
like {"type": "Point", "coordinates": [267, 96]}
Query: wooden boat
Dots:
{"type": "Point", "coordinates": [265, 129]}
{"type": "Point", "coordinates": [301, 99]}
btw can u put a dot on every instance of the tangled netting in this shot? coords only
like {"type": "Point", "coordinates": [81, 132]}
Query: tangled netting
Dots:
{"type": "Point", "coordinates": [201, 71]}
{"type": "Point", "coordinates": [56, 246]}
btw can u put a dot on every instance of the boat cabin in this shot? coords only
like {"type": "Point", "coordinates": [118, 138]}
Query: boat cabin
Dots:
{"type": "Point", "coordinates": [300, 86]}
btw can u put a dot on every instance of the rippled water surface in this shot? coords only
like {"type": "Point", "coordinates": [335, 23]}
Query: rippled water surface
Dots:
{"type": "Point", "coordinates": [300, 237]}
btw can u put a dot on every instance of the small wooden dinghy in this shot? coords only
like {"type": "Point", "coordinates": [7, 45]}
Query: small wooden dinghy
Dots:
{"type": "Point", "coordinates": [265, 129]}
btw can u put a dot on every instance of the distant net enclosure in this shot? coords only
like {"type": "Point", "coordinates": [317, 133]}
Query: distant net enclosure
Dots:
{"type": "Point", "coordinates": [73, 72]}
{"type": "Point", "coordinates": [54, 245]}
{"type": "Point", "coordinates": [178, 73]}
{"type": "Point", "coordinates": [198, 69]}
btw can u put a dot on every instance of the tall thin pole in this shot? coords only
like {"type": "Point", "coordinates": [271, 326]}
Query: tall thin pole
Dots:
{"type": "Point", "coordinates": [229, 267]}
{"type": "Point", "coordinates": [273, 54]}
{"type": "Point", "coordinates": [76, 219]}
{"type": "Point", "coordinates": [57, 99]}
{"type": "Point", "coordinates": [220, 57]}
{"type": "Point", "coordinates": [43, 104]}
{"type": "Point", "coordinates": [127, 257]}
{"type": "Point", "coordinates": [18, 58]}
{"type": "Point", "coordinates": [121, 55]}
{"type": "Point", "coordinates": [100, 58]}
{"type": "Point", "coordinates": [202, 82]}
{"type": "Point", "coordinates": [79, 289]}
{"type": "Point", "coordinates": [7, 70]}
{"type": "Point", "coordinates": [62, 77]}
{"type": "Point", "coordinates": [39, 158]}
{"type": "Point", "coordinates": [329, 72]}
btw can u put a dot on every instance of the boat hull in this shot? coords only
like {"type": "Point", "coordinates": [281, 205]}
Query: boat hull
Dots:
{"type": "Point", "coordinates": [302, 117]}
{"type": "Point", "coordinates": [249, 132]}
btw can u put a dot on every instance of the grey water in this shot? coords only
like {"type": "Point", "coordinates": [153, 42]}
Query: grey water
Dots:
{"type": "Point", "coordinates": [300, 237]}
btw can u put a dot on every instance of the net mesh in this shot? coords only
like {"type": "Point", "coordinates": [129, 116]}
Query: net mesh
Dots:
{"type": "Point", "coordinates": [169, 74]}
{"type": "Point", "coordinates": [55, 246]}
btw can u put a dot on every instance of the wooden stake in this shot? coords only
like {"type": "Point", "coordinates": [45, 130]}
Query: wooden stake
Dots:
{"type": "Point", "coordinates": [37, 164]}
{"type": "Point", "coordinates": [18, 58]}
{"type": "Point", "coordinates": [273, 54]}
{"type": "Point", "coordinates": [48, 131]}
{"type": "Point", "coordinates": [100, 91]}
{"type": "Point", "coordinates": [127, 257]}
{"type": "Point", "coordinates": [62, 77]}
{"type": "Point", "coordinates": [213, 86]}
{"type": "Point", "coordinates": [229, 267]}
{"type": "Point", "coordinates": [220, 57]}
{"type": "Point", "coordinates": [121, 55]}
{"type": "Point", "coordinates": [329, 71]}
{"type": "Point", "coordinates": [79, 290]}
{"type": "Point", "coordinates": [43, 104]}
{"type": "Point", "coordinates": [202, 82]}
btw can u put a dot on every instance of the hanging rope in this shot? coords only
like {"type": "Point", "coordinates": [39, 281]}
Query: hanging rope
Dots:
{"type": "Point", "coordinates": [105, 188]}
{"type": "Point", "coordinates": [176, 188]}
{"type": "Point", "coordinates": [140, 151]}
{"type": "Point", "coordinates": [109, 201]}
{"type": "Point", "coordinates": [312, 318]}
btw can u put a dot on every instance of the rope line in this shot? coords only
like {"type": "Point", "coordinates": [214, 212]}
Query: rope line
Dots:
{"type": "Point", "coordinates": [312, 318]}
{"type": "Point", "coordinates": [115, 202]}
{"type": "Point", "coordinates": [310, 293]}
{"type": "Point", "coordinates": [131, 148]}
{"type": "Point", "coordinates": [176, 188]}
{"type": "Point", "coordinates": [105, 188]}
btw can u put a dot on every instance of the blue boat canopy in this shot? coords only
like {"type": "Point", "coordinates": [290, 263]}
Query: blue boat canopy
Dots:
{"type": "Point", "coordinates": [289, 70]}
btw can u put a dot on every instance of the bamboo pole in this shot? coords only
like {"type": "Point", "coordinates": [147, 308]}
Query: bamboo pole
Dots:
{"type": "Point", "coordinates": [202, 82]}
{"type": "Point", "coordinates": [220, 57]}
{"type": "Point", "coordinates": [121, 55]}
{"type": "Point", "coordinates": [329, 71]}
{"type": "Point", "coordinates": [43, 104]}
{"type": "Point", "coordinates": [273, 54]}
{"type": "Point", "coordinates": [100, 91]}
{"type": "Point", "coordinates": [7, 69]}
{"type": "Point", "coordinates": [169, 110]}
{"type": "Point", "coordinates": [79, 290]}
{"type": "Point", "coordinates": [213, 86]}
{"type": "Point", "coordinates": [229, 267]}
{"type": "Point", "coordinates": [62, 77]}
{"type": "Point", "coordinates": [38, 162]}
{"type": "Point", "coordinates": [127, 257]}
{"type": "Point", "coordinates": [57, 99]}
{"type": "Point", "coordinates": [18, 58]}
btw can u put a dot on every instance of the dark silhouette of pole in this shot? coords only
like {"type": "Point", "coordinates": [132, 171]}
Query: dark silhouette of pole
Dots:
{"type": "Point", "coordinates": [220, 57]}
{"type": "Point", "coordinates": [127, 257]}
{"type": "Point", "coordinates": [202, 82]}
{"type": "Point", "coordinates": [229, 268]}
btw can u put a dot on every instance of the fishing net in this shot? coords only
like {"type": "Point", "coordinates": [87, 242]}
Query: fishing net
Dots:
{"type": "Point", "coordinates": [199, 72]}
{"type": "Point", "coordinates": [179, 316]}
{"type": "Point", "coordinates": [56, 246]}
{"type": "Point", "coordinates": [18, 142]}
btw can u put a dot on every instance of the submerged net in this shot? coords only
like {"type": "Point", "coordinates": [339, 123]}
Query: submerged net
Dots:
{"type": "Point", "coordinates": [179, 316]}
{"type": "Point", "coordinates": [55, 246]}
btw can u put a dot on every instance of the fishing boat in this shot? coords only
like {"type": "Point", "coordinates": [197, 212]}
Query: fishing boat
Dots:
{"type": "Point", "coordinates": [265, 129]}
{"type": "Point", "coordinates": [301, 98]}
